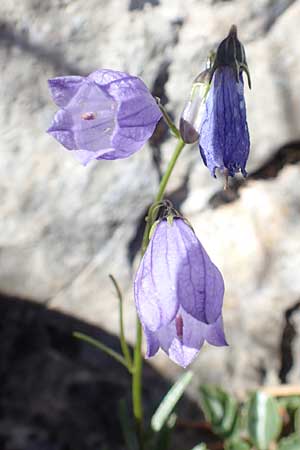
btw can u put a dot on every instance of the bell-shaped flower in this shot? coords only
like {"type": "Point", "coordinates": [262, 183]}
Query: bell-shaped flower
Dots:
{"type": "Point", "coordinates": [223, 136]}
{"type": "Point", "coordinates": [106, 115]}
{"type": "Point", "coordinates": [178, 293]}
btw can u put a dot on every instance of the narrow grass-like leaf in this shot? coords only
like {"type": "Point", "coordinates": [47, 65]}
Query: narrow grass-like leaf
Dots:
{"type": "Point", "coordinates": [124, 346]}
{"type": "Point", "coordinates": [264, 420]}
{"type": "Point", "coordinates": [169, 402]}
{"type": "Point", "coordinates": [100, 346]}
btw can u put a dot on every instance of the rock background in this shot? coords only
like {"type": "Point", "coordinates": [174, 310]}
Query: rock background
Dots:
{"type": "Point", "coordinates": [64, 227]}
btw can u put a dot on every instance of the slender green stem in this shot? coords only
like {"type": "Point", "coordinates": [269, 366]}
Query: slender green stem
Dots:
{"type": "Point", "coordinates": [124, 346]}
{"type": "Point", "coordinates": [137, 358]}
{"type": "Point", "coordinates": [137, 383]}
{"type": "Point", "coordinates": [162, 188]}
{"type": "Point", "coordinates": [100, 346]}
{"type": "Point", "coordinates": [169, 121]}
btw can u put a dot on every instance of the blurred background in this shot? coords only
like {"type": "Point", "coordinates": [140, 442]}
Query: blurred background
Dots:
{"type": "Point", "coordinates": [65, 227]}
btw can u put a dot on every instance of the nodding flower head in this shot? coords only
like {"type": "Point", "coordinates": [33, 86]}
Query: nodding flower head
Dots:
{"type": "Point", "coordinates": [178, 293]}
{"type": "Point", "coordinates": [223, 134]}
{"type": "Point", "coordinates": [106, 115]}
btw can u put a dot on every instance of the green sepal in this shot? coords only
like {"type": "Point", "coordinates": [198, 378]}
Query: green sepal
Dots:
{"type": "Point", "coordinates": [264, 420]}
{"type": "Point", "coordinates": [220, 410]}
{"type": "Point", "coordinates": [170, 219]}
{"type": "Point", "coordinates": [152, 229]}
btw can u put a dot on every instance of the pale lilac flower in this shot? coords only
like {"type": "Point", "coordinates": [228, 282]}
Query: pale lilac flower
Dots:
{"type": "Point", "coordinates": [179, 294]}
{"type": "Point", "coordinates": [107, 115]}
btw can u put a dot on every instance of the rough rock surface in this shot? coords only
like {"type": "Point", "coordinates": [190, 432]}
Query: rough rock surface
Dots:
{"type": "Point", "coordinates": [64, 227]}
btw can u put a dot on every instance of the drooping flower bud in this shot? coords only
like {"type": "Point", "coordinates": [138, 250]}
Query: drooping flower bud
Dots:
{"type": "Point", "coordinates": [191, 115]}
{"type": "Point", "coordinates": [178, 293]}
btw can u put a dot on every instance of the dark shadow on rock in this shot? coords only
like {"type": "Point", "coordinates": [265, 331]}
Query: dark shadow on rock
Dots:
{"type": "Point", "coordinates": [288, 335]}
{"type": "Point", "coordinates": [140, 4]}
{"type": "Point", "coordinates": [58, 393]}
{"type": "Point", "coordinates": [9, 37]}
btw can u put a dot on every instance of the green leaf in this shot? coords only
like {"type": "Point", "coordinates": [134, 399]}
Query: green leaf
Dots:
{"type": "Point", "coordinates": [128, 430]}
{"type": "Point", "coordinates": [124, 346]}
{"type": "Point", "coordinates": [200, 447]}
{"type": "Point", "coordinates": [169, 402]}
{"type": "Point", "coordinates": [238, 444]}
{"type": "Point", "coordinates": [100, 346]}
{"type": "Point", "coordinates": [220, 410]}
{"type": "Point", "coordinates": [290, 443]}
{"type": "Point", "coordinates": [297, 420]}
{"type": "Point", "coordinates": [264, 420]}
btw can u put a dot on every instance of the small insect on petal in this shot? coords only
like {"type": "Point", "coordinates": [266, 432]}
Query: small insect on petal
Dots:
{"type": "Point", "coordinates": [88, 116]}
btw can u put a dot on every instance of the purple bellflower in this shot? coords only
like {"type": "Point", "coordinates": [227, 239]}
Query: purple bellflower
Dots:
{"type": "Point", "coordinates": [178, 293]}
{"type": "Point", "coordinates": [223, 137]}
{"type": "Point", "coordinates": [106, 115]}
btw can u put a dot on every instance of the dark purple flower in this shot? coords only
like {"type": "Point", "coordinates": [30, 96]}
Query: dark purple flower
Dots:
{"type": "Point", "coordinates": [224, 138]}
{"type": "Point", "coordinates": [179, 294]}
{"type": "Point", "coordinates": [107, 115]}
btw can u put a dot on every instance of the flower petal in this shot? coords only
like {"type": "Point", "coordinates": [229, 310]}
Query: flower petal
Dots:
{"type": "Point", "coordinates": [137, 116]}
{"type": "Point", "coordinates": [89, 120]}
{"type": "Point", "coordinates": [136, 122]}
{"type": "Point", "coordinates": [200, 286]}
{"type": "Point", "coordinates": [224, 138]}
{"type": "Point", "coordinates": [151, 342]}
{"type": "Point", "coordinates": [155, 282]}
{"type": "Point", "coordinates": [61, 129]}
{"type": "Point", "coordinates": [215, 333]}
{"type": "Point", "coordinates": [63, 89]}
{"type": "Point", "coordinates": [105, 76]}
{"type": "Point", "coordinates": [107, 115]}
{"type": "Point", "coordinates": [182, 349]}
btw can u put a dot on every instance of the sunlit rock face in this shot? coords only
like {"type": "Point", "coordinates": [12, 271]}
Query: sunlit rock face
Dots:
{"type": "Point", "coordinates": [64, 227]}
